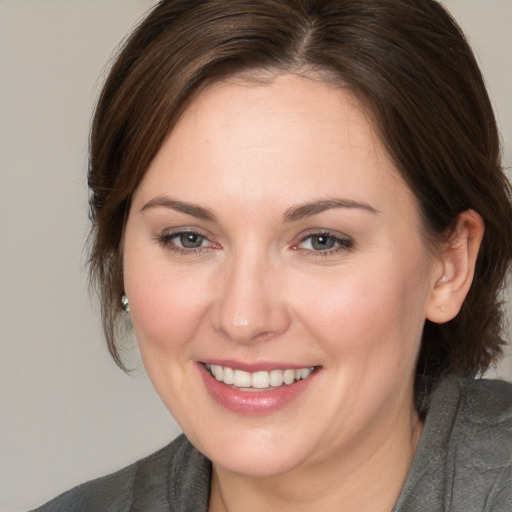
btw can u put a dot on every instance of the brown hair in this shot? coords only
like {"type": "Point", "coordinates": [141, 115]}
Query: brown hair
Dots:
{"type": "Point", "coordinates": [407, 60]}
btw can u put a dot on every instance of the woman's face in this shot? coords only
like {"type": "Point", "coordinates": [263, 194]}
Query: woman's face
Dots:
{"type": "Point", "coordinates": [273, 239]}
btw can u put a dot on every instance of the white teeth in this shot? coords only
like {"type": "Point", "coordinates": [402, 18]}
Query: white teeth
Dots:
{"type": "Point", "coordinates": [229, 375]}
{"type": "Point", "coordinates": [289, 376]}
{"type": "Point", "coordinates": [276, 378]}
{"type": "Point", "coordinates": [241, 379]}
{"type": "Point", "coordinates": [258, 380]}
{"type": "Point", "coordinates": [304, 373]}
{"type": "Point", "coordinates": [218, 372]}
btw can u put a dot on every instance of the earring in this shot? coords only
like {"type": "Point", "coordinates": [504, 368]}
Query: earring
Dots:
{"type": "Point", "coordinates": [125, 303]}
{"type": "Point", "coordinates": [442, 308]}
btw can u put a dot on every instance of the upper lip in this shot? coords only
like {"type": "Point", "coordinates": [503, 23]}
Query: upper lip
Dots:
{"type": "Point", "coordinates": [257, 366]}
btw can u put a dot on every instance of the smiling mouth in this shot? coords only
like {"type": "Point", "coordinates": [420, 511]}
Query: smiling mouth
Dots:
{"type": "Point", "coordinates": [262, 380]}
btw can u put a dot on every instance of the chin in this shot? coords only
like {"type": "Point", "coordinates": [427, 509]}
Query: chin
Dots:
{"type": "Point", "coordinates": [260, 453]}
{"type": "Point", "coordinates": [269, 463]}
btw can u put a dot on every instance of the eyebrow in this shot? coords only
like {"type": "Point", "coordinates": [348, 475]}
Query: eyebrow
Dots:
{"type": "Point", "coordinates": [189, 208]}
{"type": "Point", "coordinates": [293, 214]}
{"type": "Point", "coordinates": [305, 210]}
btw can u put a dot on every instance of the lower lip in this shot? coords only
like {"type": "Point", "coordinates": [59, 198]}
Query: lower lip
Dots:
{"type": "Point", "coordinates": [253, 403]}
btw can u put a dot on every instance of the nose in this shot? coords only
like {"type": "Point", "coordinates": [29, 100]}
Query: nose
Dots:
{"type": "Point", "coordinates": [251, 304]}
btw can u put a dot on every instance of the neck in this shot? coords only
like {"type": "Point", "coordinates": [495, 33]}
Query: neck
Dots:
{"type": "Point", "coordinates": [366, 478]}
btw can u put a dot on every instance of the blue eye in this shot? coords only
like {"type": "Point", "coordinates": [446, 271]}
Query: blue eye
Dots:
{"type": "Point", "coordinates": [189, 240]}
{"type": "Point", "coordinates": [185, 242]}
{"type": "Point", "coordinates": [324, 242]}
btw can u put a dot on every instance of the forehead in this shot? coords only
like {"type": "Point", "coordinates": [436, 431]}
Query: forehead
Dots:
{"type": "Point", "coordinates": [287, 139]}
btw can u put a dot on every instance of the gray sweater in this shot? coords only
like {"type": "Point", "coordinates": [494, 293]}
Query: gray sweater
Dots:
{"type": "Point", "coordinates": [463, 463]}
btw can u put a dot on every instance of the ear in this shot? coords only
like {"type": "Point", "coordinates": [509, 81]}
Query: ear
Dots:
{"type": "Point", "coordinates": [454, 274]}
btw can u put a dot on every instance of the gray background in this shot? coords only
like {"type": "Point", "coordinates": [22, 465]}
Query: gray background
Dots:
{"type": "Point", "coordinates": [67, 414]}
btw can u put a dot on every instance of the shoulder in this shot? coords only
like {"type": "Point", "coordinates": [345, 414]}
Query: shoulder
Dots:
{"type": "Point", "coordinates": [480, 446]}
{"type": "Point", "coordinates": [484, 421]}
{"type": "Point", "coordinates": [477, 413]}
{"type": "Point", "coordinates": [145, 485]}
{"type": "Point", "coordinates": [464, 460]}
{"type": "Point", "coordinates": [487, 401]}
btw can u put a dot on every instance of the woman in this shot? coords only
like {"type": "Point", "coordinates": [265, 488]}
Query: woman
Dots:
{"type": "Point", "coordinates": [290, 202]}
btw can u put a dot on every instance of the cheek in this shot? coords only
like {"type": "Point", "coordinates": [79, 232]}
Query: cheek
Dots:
{"type": "Point", "coordinates": [372, 315]}
{"type": "Point", "coordinates": [166, 306]}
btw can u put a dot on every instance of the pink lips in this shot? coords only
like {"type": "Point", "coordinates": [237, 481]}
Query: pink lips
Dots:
{"type": "Point", "coordinates": [252, 402]}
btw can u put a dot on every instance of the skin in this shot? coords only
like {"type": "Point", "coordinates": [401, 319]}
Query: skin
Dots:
{"type": "Point", "coordinates": [258, 289]}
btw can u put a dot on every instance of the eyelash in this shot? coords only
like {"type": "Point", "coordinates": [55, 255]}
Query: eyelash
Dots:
{"type": "Point", "coordinates": [166, 240]}
{"type": "Point", "coordinates": [340, 244]}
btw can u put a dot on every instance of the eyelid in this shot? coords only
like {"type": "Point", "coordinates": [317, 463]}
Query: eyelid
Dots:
{"type": "Point", "coordinates": [343, 242]}
{"type": "Point", "coordinates": [166, 236]}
